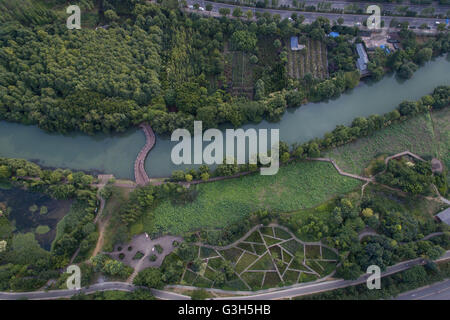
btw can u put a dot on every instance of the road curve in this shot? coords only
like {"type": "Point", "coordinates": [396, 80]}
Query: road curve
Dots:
{"type": "Point", "coordinates": [287, 292]}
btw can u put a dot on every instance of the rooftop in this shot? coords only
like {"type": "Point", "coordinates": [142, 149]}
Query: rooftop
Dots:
{"type": "Point", "coordinates": [444, 216]}
{"type": "Point", "coordinates": [363, 60]}
{"type": "Point", "coordinates": [334, 34]}
{"type": "Point", "coordinates": [294, 44]}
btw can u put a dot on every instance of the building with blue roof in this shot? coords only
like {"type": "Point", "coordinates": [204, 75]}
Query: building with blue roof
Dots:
{"type": "Point", "coordinates": [334, 34]}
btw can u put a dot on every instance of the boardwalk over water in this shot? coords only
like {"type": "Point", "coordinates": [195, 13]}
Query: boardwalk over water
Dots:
{"type": "Point", "coordinates": [140, 175]}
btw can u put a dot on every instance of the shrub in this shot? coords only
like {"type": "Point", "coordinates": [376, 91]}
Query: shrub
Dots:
{"type": "Point", "coordinates": [159, 249]}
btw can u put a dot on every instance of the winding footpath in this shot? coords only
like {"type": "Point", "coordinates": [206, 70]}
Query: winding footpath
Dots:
{"type": "Point", "coordinates": [342, 173]}
{"type": "Point", "coordinates": [140, 175]}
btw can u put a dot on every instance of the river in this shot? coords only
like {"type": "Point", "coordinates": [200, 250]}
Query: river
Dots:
{"type": "Point", "coordinates": [116, 154]}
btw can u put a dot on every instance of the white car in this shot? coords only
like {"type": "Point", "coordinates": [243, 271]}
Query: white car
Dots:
{"type": "Point", "coordinates": [290, 19]}
{"type": "Point", "coordinates": [201, 8]}
{"type": "Point", "coordinates": [437, 22]}
{"type": "Point", "coordinates": [191, 7]}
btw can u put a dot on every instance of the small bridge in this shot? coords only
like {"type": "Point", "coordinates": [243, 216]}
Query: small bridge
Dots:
{"type": "Point", "coordinates": [140, 175]}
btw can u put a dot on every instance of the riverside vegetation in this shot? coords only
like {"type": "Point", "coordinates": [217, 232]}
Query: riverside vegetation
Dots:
{"type": "Point", "coordinates": [159, 64]}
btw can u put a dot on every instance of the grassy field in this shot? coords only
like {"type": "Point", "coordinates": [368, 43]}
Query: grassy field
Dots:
{"type": "Point", "coordinates": [313, 60]}
{"type": "Point", "coordinates": [441, 124]}
{"type": "Point", "coordinates": [113, 232]}
{"type": "Point", "coordinates": [296, 186]}
{"type": "Point", "coordinates": [415, 135]}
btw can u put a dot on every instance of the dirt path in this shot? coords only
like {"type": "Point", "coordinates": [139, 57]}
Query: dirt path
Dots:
{"type": "Point", "coordinates": [103, 180]}
{"type": "Point", "coordinates": [101, 235]}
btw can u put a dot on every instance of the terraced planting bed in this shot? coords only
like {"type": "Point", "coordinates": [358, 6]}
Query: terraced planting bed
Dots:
{"type": "Point", "coordinates": [285, 260]}
{"type": "Point", "coordinates": [313, 60]}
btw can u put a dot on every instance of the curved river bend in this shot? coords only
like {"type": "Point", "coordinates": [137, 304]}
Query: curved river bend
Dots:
{"type": "Point", "coordinates": [116, 154]}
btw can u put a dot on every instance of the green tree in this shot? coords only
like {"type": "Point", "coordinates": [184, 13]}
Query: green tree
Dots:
{"type": "Point", "coordinates": [244, 40]}
{"type": "Point", "coordinates": [224, 11]}
{"type": "Point", "coordinates": [237, 12]}
{"type": "Point", "coordinates": [260, 90]}
{"type": "Point", "coordinates": [5, 173]}
{"type": "Point", "coordinates": [43, 210]}
{"type": "Point", "coordinates": [200, 294]}
{"type": "Point", "coordinates": [111, 16]}
{"type": "Point", "coordinates": [424, 55]}
{"type": "Point", "coordinates": [277, 44]}
{"type": "Point", "coordinates": [150, 277]}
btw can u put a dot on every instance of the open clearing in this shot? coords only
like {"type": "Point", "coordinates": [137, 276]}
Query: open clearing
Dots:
{"type": "Point", "coordinates": [415, 135]}
{"type": "Point", "coordinates": [296, 186]}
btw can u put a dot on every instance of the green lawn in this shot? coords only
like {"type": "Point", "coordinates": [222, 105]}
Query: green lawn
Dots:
{"type": "Point", "coordinates": [415, 135]}
{"type": "Point", "coordinates": [296, 186]}
{"type": "Point", "coordinates": [441, 121]}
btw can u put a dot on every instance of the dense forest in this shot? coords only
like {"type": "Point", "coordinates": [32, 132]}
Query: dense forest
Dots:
{"type": "Point", "coordinates": [153, 62]}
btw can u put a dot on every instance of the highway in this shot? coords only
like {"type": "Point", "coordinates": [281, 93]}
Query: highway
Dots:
{"type": "Point", "coordinates": [437, 291]}
{"type": "Point", "coordinates": [275, 293]}
{"type": "Point", "coordinates": [392, 7]}
{"type": "Point", "coordinates": [349, 19]}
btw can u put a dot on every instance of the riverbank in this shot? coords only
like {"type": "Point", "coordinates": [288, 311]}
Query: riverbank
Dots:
{"type": "Point", "coordinates": [116, 154]}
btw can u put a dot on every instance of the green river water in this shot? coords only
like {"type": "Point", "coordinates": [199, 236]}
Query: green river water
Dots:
{"type": "Point", "coordinates": [116, 154]}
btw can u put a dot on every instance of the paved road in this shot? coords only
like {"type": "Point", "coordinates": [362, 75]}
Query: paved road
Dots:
{"type": "Point", "coordinates": [105, 286]}
{"type": "Point", "coordinates": [293, 291]}
{"type": "Point", "coordinates": [349, 19]}
{"type": "Point", "coordinates": [437, 291]}
{"type": "Point", "coordinates": [392, 7]}
{"type": "Point", "coordinates": [384, 6]}
{"type": "Point", "coordinates": [325, 286]}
